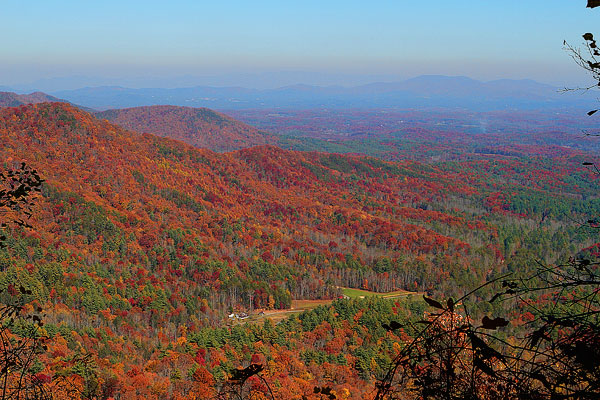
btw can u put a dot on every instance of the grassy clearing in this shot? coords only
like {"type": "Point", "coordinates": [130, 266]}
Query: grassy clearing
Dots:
{"type": "Point", "coordinates": [302, 305]}
{"type": "Point", "coordinates": [359, 293]}
{"type": "Point", "coordinates": [297, 307]}
{"type": "Point", "coordinates": [308, 304]}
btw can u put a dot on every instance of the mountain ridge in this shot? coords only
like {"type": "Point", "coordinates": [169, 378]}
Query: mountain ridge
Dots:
{"type": "Point", "coordinates": [11, 99]}
{"type": "Point", "coordinates": [426, 91]}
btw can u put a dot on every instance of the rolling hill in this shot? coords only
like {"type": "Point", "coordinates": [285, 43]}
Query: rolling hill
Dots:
{"type": "Point", "coordinates": [10, 99]}
{"type": "Point", "coordinates": [301, 211]}
{"type": "Point", "coordinates": [199, 127]}
{"type": "Point", "coordinates": [312, 214]}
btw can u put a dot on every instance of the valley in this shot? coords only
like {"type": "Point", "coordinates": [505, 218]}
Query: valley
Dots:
{"type": "Point", "coordinates": [166, 265]}
{"type": "Point", "coordinates": [299, 200]}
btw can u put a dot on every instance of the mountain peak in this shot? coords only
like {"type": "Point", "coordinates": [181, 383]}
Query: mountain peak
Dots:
{"type": "Point", "coordinates": [10, 99]}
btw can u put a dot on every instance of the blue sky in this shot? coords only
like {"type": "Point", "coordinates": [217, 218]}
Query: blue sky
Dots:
{"type": "Point", "coordinates": [318, 40]}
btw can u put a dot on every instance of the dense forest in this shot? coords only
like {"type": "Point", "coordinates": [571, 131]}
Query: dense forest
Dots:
{"type": "Point", "coordinates": [200, 127]}
{"type": "Point", "coordinates": [140, 248]}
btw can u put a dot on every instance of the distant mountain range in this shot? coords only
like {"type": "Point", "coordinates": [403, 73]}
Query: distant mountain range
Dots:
{"type": "Point", "coordinates": [429, 91]}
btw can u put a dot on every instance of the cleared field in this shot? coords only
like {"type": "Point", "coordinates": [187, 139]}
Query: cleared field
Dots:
{"type": "Point", "coordinates": [302, 305]}
{"type": "Point", "coordinates": [297, 307]}
{"type": "Point", "coordinates": [359, 293]}
{"type": "Point", "coordinates": [308, 304]}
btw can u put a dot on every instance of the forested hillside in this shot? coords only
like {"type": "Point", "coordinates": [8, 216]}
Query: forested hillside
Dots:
{"type": "Point", "coordinates": [199, 127]}
{"type": "Point", "coordinates": [141, 246]}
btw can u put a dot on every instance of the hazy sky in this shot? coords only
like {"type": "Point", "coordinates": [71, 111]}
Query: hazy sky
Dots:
{"type": "Point", "coordinates": [319, 40]}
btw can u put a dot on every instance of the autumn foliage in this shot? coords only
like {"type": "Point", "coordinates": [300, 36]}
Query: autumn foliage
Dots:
{"type": "Point", "coordinates": [142, 246]}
